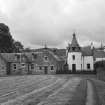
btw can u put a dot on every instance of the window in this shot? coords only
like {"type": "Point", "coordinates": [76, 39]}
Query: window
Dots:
{"type": "Point", "coordinates": [46, 58]}
{"type": "Point", "coordinates": [23, 64]}
{"type": "Point", "coordinates": [32, 66]}
{"type": "Point", "coordinates": [52, 67]}
{"type": "Point", "coordinates": [73, 48]}
{"type": "Point", "coordinates": [88, 66]}
{"type": "Point", "coordinates": [40, 68]}
{"type": "Point", "coordinates": [34, 56]}
{"type": "Point", "coordinates": [17, 57]}
{"type": "Point", "coordinates": [14, 66]}
{"type": "Point", "coordinates": [73, 57]}
{"type": "Point", "coordinates": [81, 66]}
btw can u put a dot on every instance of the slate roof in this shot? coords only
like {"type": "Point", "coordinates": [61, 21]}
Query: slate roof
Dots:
{"type": "Point", "coordinates": [74, 42]}
{"type": "Point", "coordinates": [59, 54]}
{"type": "Point", "coordinates": [14, 57]}
{"type": "Point", "coordinates": [86, 51]}
{"type": "Point", "coordinates": [99, 54]}
{"type": "Point", "coordinates": [36, 57]}
{"type": "Point", "coordinates": [55, 54]}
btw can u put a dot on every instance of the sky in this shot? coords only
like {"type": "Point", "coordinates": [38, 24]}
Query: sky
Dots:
{"type": "Point", "coordinates": [52, 22]}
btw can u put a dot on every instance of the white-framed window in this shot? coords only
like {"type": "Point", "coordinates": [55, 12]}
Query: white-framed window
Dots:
{"type": "Point", "coordinates": [14, 66]}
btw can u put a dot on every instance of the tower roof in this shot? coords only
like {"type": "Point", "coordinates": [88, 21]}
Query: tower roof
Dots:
{"type": "Point", "coordinates": [74, 46]}
{"type": "Point", "coordinates": [74, 42]}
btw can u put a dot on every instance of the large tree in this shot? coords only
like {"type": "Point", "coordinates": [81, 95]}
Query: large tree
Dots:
{"type": "Point", "coordinates": [6, 40]}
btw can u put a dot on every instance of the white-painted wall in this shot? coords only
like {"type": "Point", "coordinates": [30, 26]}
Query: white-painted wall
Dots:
{"type": "Point", "coordinates": [99, 59]}
{"type": "Point", "coordinates": [77, 61]}
{"type": "Point", "coordinates": [87, 60]}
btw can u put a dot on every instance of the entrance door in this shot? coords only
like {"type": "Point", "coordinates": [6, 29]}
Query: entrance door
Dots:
{"type": "Point", "coordinates": [46, 69]}
{"type": "Point", "coordinates": [74, 68]}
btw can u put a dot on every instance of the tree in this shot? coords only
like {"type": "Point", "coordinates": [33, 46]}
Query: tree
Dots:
{"type": "Point", "coordinates": [6, 40]}
{"type": "Point", "coordinates": [18, 47]}
{"type": "Point", "coordinates": [27, 49]}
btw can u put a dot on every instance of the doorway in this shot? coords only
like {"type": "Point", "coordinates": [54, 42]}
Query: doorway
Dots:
{"type": "Point", "coordinates": [73, 68]}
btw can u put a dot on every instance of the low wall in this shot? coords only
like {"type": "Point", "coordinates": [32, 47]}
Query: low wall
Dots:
{"type": "Point", "coordinates": [101, 74]}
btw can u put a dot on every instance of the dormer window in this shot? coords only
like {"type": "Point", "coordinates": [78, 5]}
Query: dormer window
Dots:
{"type": "Point", "coordinates": [46, 58]}
{"type": "Point", "coordinates": [34, 56]}
{"type": "Point", "coordinates": [17, 57]}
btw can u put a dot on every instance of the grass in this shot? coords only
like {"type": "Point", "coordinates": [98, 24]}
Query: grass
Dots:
{"type": "Point", "coordinates": [71, 92]}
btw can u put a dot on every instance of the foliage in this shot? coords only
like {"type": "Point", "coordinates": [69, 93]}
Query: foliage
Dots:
{"type": "Point", "coordinates": [6, 40]}
{"type": "Point", "coordinates": [7, 43]}
{"type": "Point", "coordinates": [18, 47]}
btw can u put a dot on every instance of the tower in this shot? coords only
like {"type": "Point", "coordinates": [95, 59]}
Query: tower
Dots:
{"type": "Point", "coordinates": [74, 58]}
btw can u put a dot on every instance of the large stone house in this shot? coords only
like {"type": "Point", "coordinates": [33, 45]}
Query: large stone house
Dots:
{"type": "Point", "coordinates": [38, 62]}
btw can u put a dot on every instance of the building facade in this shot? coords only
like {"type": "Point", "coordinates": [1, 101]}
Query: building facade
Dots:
{"type": "Point", "coordinates": [78, 58]}
{"type": "Point", "coordinates": [39, 62]}
{"type": "Point", "coordinates": [52, 60]}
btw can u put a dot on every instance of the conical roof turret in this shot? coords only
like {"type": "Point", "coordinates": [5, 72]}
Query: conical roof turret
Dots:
{"type": "Point", "coordinates": [74, 46]}
{"type": "Point", "coordinates": [74, 42]}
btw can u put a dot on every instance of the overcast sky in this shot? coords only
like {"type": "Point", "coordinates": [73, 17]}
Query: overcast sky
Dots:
{"type": "Point", "coordinates": [36, 22]}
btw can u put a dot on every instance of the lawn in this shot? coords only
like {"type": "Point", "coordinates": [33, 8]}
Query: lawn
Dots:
{"type": "Point", "coordinates": [49, 90]}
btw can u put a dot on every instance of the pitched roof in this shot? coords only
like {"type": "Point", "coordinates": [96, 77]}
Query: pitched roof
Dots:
{"type": "Point", "coordinates": [86, 51]}
{"type": "Point", "coordinates": [58, 53]}
{"type": "Point", "coordinates": [36, 57]}
{"type": "Point", "coordinates": [99, 54]}
{"type": "Point", "coordinates": [14, 57]}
